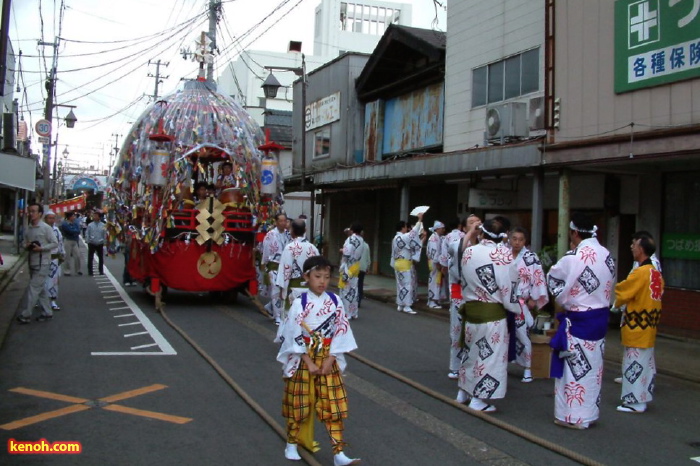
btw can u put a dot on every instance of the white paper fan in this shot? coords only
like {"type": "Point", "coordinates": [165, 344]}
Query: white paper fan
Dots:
{"type": "Point", "coordinates": [421, 209]}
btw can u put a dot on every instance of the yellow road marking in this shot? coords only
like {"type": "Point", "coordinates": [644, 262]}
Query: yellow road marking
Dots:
{"type": "Point", "coordinates": [149, 414]}
{"type": "Point", "coordinates": [49, 395]}
{"type": "Point", "coordinates": [133, 393]}
{"type": "Point", "coordinates": [80, 405]}
{"type": "Point", "coordinates": [44, 417]}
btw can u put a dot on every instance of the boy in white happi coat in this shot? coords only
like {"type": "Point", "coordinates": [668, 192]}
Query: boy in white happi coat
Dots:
{"type": "Point", "coordinates": [348, 282]}
{"type": "Point", "coordinates": [56, 258]}
{"type": "Point", "coordinates": [582, 284]}
{"type": "Point", "coordinates": [273, 245]}
{"type": "Point", "coordinates": [314, 338]}
{"type": "Point", "coordinates": [531, 292]}
{"type": "Point", "coordinates": [436, 283]}
{"type": "Point", "coordinates": [290, 280]}
{"type": "Point", "coordinates": [488, 294]}
{"type": "Point", "coordinates": [402, 251]}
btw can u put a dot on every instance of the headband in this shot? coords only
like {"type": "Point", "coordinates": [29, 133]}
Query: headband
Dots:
{"type": "Point", "coordinates": [492, 235]}
{"type": "Point", "coordinates": [575, 228]}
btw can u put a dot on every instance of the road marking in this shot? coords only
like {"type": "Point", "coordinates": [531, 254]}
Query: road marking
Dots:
{"type": "Point", "coordinates": [134, 334]}
{"type": "Point", "coordinates": [49, 395]}
{"type": "Point", "coordinates": [696, 459]}
{"type": "Point", "coordinates": [115, 302]}
{"type": "Point", "coordinates": [143, 346]}
{"type": "Point", "coordinates": [165, 347]}
{"type": "Point", "coordinates": [123, 315]}
{"type": "Point", "coordinates": [148, 414]}
{"type": "Point", "coordinates": [44, 417]}
{"type": "Point", "coordinates": [110, 297]}
{"type": "Point", "coordinates": [83, 404]}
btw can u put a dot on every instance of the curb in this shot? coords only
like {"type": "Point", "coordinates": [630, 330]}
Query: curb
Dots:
{"type": "Point", "coordinates": [443, 313]}
{"type": "Point", "coordinates": [10, 298]}
{"type": "Point", "coordinates": [9, 275]}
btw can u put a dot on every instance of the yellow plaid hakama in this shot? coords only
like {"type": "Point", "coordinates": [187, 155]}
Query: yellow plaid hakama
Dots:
{"type": "Point", "coordinates": [325, 393]}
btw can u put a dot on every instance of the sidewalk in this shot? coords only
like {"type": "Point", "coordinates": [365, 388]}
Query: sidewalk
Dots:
{"type": "Point", "coordinates": [675, 356]}
{"type": "Point", "coordinates": [13, 282]}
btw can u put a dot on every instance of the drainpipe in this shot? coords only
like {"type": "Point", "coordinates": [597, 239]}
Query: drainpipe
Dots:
{"type": "Point", "coordinates": [403, 202]}
{"type": "Point", "coordinates": [563, 225]}
{"type": "Point", "coordinates": [537, 210]}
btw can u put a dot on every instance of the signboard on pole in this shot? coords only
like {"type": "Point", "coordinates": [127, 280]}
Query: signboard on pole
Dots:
{"type": "Point", "coordinates": [44, 140]}
{"type": "Point", "coordinates": [656, 42]}
{"type": "Point", "coordinates": [43, 128]}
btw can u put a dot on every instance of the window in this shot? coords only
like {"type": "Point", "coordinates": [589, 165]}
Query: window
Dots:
{"type": "Point", "coordinates": [505, 79]}
{"type": "Point", "coordinates": [322, 143]}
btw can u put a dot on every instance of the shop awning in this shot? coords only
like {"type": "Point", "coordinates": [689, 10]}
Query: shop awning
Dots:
{"type": "Point", "coordinates": [76, 203]}
{"type": "Point", "coordinates": [17, 172]}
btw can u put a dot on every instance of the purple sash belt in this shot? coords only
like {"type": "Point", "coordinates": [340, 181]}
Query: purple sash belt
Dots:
{"type": "Point", "coordinates": [588, 325]}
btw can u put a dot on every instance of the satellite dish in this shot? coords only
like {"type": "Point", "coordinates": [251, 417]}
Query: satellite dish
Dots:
{"type": "Point", "coordinates": [493, 122]}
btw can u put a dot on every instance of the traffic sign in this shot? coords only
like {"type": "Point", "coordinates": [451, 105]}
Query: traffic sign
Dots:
{"type": "Point", "coordinates": [44, 140]}
{"type": "Point", "coordinates": [43, 128]}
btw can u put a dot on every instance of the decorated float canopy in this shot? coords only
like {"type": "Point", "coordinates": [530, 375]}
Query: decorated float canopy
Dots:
{"type": "Point", "coordinates": [177, 138]}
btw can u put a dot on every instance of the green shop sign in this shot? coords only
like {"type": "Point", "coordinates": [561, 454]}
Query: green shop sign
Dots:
{"type": "Point", "coordinates": [680, 246]}
{"type": "Point", "coordinates": [656, 42]}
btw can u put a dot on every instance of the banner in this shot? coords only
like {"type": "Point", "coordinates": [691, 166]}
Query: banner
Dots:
{"type": "Point", "coordinates": [76, 203]}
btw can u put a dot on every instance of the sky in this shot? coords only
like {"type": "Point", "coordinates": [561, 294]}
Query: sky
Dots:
{"type": "Point", "coordinates": [105, 49]}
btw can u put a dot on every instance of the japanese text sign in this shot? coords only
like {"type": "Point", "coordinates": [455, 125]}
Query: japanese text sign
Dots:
{"type": "Point", "coordinates": [656, 42]}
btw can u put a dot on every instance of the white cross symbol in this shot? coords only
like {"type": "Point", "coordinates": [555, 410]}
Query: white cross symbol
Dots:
{"type": "Point", "coordinates": [644, 21]}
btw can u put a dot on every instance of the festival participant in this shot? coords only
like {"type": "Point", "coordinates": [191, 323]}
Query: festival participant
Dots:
{"type": "Point", "coordinates": [39, 241]}
{"type": "Point", "coordinates": [96, 236]}
{"type": "Point", "coordinates": [289, 276]}
{"type": "Point", "coordinates": [532, 294]}
{"type": "Point", "coordinates": [365, 264]}
{"type": "Point", "coordinates": [417, 248]}
{"type": "Point", "coordinates": [487, 291]}
{"type": "Point", "coordinates": [641, 292]}
{"type": "Point", "coordinates": [226, 179]}
{"type": "Point", "coordinates": [314, 339]}
{"type": "Point", "coordinates": [436, 283]}
{"type": "Point", "coordinates": [350, 270]}
{"type": "Point", "coordinates": [450, 261]}
{"type": "Point", "coordinates": [200, 191]}
{"type": "Point", "coordinates": [70, 228]}
{"type": "Point", "coordinates": [273, 245]}
{"type": "Point", "coordinates": [56, 259]}
{"type": "Point", "coordinates": [581, 283]}
{"type": "Point", "coordinates": [402, 252]}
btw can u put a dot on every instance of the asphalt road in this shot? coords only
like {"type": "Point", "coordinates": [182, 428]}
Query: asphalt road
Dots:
{"type": "Point", "coordinates": [139, 394]}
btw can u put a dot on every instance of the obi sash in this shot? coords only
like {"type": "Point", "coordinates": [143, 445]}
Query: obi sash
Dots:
{"type": "Point", "coordinates": [402, 265]}
{"type": "Point", "coordinates": [353, 271]}
{"type": "Point", "coordinates": [588, 325]}
{"type": "Point", "coordinates": [456, 291]}
{"type": "Point", "coordinates": [478, 312]}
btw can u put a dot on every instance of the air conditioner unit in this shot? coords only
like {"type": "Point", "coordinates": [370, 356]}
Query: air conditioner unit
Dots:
{"type": "Point", "coordinates": [506, 121]}
{"type": "Point", "coordinates": [536, 111]}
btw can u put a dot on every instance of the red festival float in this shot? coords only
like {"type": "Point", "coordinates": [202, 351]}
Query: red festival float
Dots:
{"type": "Point", "coordinates": [179, 238]}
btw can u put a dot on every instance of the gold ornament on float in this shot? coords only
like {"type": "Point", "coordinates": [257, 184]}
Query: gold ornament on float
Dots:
{"type": "Point", "coordinates": [209, 264]}
{"type": "Point", "coordinates": [210, 223]}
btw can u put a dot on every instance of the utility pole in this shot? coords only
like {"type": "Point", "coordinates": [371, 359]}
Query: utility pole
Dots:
{"type": "Point", "coordinates": [214, 10]}
{"type": "Point", "coordinates": [159, 79]}
{"type": "Point", "coordinates": [116, 142]}
{"type": "Point", "coordinates": [48, 113]}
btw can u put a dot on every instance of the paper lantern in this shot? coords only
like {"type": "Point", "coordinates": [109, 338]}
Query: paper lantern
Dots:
{"type": "Point", "coordinates": [268, 179]}
{"type": "Point", "coordinates": [160, 165]}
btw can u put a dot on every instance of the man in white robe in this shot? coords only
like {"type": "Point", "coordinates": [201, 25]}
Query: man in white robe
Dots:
{"type": "Point", "coordinates": [349, 272]}
{"type": "Point", "coordinates": [273, 245]}
{"type": "Point", "coordinates": [436, 283]}
{"type": "Point", "coordinates": [582, 284]}
{"type": "Point", "coordinates": [56, 258]}
{"type": "Point", "coordinates": [488, 294]}
{"type": "Point", "coordinates": [290, 279]}
{"type": "Point", "coordinates": [532, 294]}
{"type": "Point", "coordinates": [402, 253]}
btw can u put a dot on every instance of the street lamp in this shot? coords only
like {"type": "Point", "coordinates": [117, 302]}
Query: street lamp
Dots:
{"type": "Point", "coordinates": [70, 120]}
{"type": "Point", "coordinates": [270, 87]}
